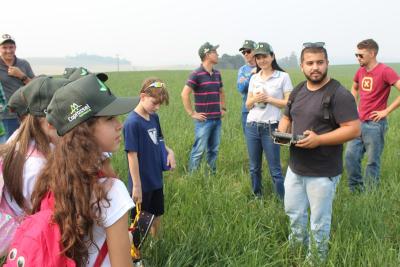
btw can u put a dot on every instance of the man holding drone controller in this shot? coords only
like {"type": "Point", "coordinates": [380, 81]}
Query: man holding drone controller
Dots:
{"type": "Point", "coordinates": [326, 114]}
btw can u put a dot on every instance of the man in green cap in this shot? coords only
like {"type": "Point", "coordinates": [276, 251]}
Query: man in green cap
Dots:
{"type": "Point", "coordinates": [244, 75]}
{"type": "Point", "coordinates": [206, 84]}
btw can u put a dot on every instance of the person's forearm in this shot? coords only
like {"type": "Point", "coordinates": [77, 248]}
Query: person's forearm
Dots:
{"type": "Point", "coordinates": [187, 104]}
{"type": "Point", "coordinates": [284, 124]}
{"type": "Point", "coordinates": [341, 134]}
{"type": "Point", "coordinates": [395, 104]}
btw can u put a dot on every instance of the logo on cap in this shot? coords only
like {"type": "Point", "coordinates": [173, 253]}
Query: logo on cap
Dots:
{"type": "Point", "coordinates": [103, 87]}
{"type": "Point", "coordinates": [77, 111]}
{"type": "Point", "coordinates": [84, 72]}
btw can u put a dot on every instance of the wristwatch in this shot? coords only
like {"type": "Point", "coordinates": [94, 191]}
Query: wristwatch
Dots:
{"type": "Point", "coordinates": [24, 78]}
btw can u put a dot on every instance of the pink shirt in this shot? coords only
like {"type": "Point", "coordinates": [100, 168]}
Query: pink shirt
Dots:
{"type": "Point", "coordinates": [374, 88]}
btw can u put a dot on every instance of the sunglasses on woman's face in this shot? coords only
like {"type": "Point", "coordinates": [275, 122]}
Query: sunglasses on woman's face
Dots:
{"type": "Point", "coordinates": [246, 51]}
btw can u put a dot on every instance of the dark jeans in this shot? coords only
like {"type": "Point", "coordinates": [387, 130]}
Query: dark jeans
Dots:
{"type": "Point", "coordinates": [259, 140]}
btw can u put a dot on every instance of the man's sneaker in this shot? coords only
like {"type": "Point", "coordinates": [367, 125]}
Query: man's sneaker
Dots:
{"type": "Point", "coordinates": [138, 263]}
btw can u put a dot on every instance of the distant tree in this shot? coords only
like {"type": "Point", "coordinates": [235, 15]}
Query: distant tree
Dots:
{"type": "Point", "coordinates": [230, 62]}
{"type": "Point", "coordinates": [289, 62]}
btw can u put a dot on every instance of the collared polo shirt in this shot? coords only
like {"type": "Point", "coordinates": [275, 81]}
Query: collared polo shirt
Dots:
{"type": "Point", "coordinates": [207, 90]}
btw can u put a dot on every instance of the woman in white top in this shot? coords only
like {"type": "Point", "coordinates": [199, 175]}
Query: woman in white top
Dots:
{"type": "Point", "coordinates": [269, 91]}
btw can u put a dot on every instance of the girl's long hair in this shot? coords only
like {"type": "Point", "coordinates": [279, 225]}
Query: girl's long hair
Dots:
{"type": "Point", "coordinates": [71, 174]}
{"type": "Point", "coordinates": [15, 153]}
{"type": "Point", "coordinates": [274, 64]}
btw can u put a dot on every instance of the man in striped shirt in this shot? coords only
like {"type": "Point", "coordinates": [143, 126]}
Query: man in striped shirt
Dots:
{"type": "Point", "coordinates": [209, 100]}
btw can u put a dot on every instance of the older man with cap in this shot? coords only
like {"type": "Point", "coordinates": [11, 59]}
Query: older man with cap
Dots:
{"type": "Point", "coordinates": [209, 100]}
{"type": "Point", "coordinates": [14, 73]}
{"type": "Point", "coordinates": [244, 75]}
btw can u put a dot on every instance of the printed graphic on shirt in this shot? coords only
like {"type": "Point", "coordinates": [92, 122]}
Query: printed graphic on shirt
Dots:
{"type": "Point", "coordinates": [366, 84]}
{"type": "Point", "coordinates": [153, 135]}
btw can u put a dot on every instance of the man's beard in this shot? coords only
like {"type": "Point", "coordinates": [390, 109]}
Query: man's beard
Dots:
{"type": "Point", "coordinates": [317, 80]}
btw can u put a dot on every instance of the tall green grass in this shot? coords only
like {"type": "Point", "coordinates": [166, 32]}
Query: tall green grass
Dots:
{"type": "Point", "coordinates": [214, 220]}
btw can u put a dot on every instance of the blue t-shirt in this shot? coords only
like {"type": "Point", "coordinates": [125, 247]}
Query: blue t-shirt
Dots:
{"type": "Point", "coordinates": [142, 136]}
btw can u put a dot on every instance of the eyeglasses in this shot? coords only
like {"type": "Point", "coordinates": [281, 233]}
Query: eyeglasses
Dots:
{"type": "Point", "coordinates": [246, 51]}
{"type": "Point", "coordinates": [316, 45]}
{"type": "Point", "coordinates": [359, 55]}
{"type": "Point", "coordinates": [156, 85]}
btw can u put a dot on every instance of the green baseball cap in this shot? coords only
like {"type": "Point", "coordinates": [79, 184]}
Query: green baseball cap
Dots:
{"type": "Point", "coordinates": [263, 49]}
{"type": "Point", "coordinates": [34, 97]}
{"type": "Point", "coordinates": [83, 99]}
{"type": "Point", "coordinates": [76, 73]}
{"type": "Point", "coordinates": [17, 103]}
{"type": "Point", "coordinates": [248, 44]}
{"type": "Point", "coordinates": [206, 48]}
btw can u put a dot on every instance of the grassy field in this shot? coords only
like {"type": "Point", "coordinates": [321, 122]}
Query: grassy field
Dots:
{"type": "Point", "coordinates": [214, 220]}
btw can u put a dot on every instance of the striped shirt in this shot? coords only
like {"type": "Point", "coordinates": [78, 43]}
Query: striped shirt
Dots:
{"type": "Point", "coordinates": [206, 89]}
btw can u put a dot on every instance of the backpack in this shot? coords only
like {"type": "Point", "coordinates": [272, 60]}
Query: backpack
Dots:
{"type": "Point", "coordinates": [326, 101]}
{"type": "Point", "coordinates": [37, 241]}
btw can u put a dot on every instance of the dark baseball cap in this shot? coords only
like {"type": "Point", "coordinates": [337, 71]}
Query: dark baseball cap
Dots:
{"type": "Point", "coordinates": [5, 37]}
{"type": "Point", "coordinates": [76, 73]}
{"type": "Point", "coordinates": [206, 48]}
{"type": "Point", "coordinates": [263, 49]}
{"type": "Point", "coordinates": [17, 103]}
{"type": "Point", "coordinates": [34, 97]}
{"type": "Point", "coordinates": [248, 44]}
{"type": "Point", "coordinates": [83, 99]}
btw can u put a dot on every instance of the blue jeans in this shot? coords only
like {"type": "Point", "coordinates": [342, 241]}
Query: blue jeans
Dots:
{"type": "Point", "coordinates": [207, 139]}
{"type": "Point", "coordinates": [316, 193]}
{"type": "Point", "coordinates": [258, 140]}
{"type": "Point", "coordinates": [371, 141]}
{"type": "Point", "coordinates": [10, 125]}
{"type": "Point", "coordinates": [244, 120]}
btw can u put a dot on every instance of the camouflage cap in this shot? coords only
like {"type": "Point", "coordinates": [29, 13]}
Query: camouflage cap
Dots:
{"type": "Point", "coordinates": [263, 49]}
{"type": "Point", "coordinates": [206, 48]}
{"type": "Point", "coordinates": [6, 38]}
{"type": "Point", "coordinates": [248, 44]}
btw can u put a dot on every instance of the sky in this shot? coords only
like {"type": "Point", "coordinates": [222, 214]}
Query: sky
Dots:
{"type": "Point", "coordinates": [169, 32]}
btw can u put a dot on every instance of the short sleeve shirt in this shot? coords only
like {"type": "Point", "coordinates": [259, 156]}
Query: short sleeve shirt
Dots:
{"type": "Point", "coordinates": [374, 88]}
{"type": "Point", "coordinates": [142, 136]}
{"type": "Point", "coordinates": [120, 203]}
{"type": "Point", "coordinates": [207, 90]}
{"type": "Point", "coordinates": [275, 86]}
{"type": "Point", "coordinates": [307, 114]}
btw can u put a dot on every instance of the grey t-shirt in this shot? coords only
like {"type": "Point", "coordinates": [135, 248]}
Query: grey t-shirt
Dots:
{"type": "Point", "coordinates": [307, 114]}
{"type": "Point", "coordinates": [10, 83]}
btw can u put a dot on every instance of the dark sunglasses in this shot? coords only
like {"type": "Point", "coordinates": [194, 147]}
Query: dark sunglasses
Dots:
{"type": "Point", "coordinates": [316, 44]}
{"type": "Point", "coordinates": [359, 55]}
{"type": "Point", "coordinates": [246, 51]}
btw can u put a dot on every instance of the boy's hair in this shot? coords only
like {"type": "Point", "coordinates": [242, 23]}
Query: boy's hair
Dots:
{"type": "Point", "coordinates": [369, 44]}
{"type": "Point", "coordinates": [15, 153]}
{"type": "Point", "coordinates": [155, 87]}
{"type": "Point", "coordinates": [313, 50]}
